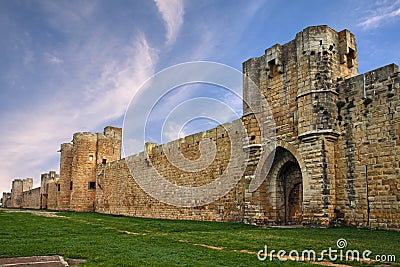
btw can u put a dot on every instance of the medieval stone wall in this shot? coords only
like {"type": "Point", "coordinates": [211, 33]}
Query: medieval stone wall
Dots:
{"type": "Point", "coordinates": [23, 196]}
{"type": "Point", "coordinates": [119, 193]}
{"type": "Point", "coordinates": [16, 193]}
{"type": "Point", "coordinates": [31, 199]}
{"type": "Point", "coordinates": [368, 151]}
{"type": "Point", "coordinates": [83, 172]}
{"type": "Point", "coordinates": [336, 159]}
{"type": "Point", "coordinates": [78, 177]}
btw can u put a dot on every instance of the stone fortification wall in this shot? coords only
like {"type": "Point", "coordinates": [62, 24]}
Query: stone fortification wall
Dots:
{"type": "Point", "coordinates": [368, 150]}
{"type": "Point", "coordinates": [31, 199]}
{"type": "Point", "coordinates": [119, 193]}
{"type": "Point", "coordinates": [53, 193]}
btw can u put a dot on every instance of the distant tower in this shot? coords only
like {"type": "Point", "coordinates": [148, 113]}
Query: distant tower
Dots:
{"type": "Point", "coordinates": [18, 187]}
{"type": "Point", "coordinates": [78, 165]}
{"type": "Point", "coordinates": [65, 181]}
{"type": "Point", "coordinates": [16, 193]}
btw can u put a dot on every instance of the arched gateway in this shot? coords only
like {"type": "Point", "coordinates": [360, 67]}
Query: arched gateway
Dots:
{"type": "Point", "coordinates": [285, 188]}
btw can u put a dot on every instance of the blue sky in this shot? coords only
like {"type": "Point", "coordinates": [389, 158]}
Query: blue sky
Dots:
{"type": "Point", "coordinates": [69, 66]}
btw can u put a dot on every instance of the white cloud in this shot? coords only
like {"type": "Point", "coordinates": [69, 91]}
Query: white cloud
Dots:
{"type": "Point", "coordinates": [172, 12]}
{"type": "Point", "coordinates": [380, 13]}
{"type": "Point", "coordinates": [120, 79]}
{"type": "Point", "coordinates": [52, 59]}
{"type": "Point", "coordinates": [214, 35]}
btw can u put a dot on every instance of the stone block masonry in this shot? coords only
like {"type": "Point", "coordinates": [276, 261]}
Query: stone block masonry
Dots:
{"type": "Point", "coordinates": [336, 160]}
{"type": "Point", "coordinates": [31, 199]}
{"type": "Point", "coordinates": [368, 151]}
{"type": "Point", "coordinates": [118, 193]}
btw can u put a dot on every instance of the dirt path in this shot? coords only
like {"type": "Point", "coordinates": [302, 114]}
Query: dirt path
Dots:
{"type": "Point", "coordinates": [320, 263]}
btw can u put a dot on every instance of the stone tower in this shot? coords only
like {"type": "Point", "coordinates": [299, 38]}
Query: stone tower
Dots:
{"type": "Point", "coordinates": [65, 182]}
{"type": "Point", "coordinates": [324, 58]}
{"type": "Point", "coordinates": [299, 80]}
{"type": "Point", "coordinates": [79, 159]}
{"type": "Point", "coordinates": [16, 193]}
{"type": "Point", "coordinates": [18, 187]}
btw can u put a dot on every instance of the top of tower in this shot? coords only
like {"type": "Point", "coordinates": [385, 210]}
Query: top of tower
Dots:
{"type": "Point", "coordinates": [313, 40]}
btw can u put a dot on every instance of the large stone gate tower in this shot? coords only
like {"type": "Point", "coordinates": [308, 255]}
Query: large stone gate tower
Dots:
{"type": "Point", "coordinates": [302, 83]}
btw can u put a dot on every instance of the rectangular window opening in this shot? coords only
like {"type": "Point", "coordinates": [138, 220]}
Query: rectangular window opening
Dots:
{"type": "Point", "coordinates": [92, 185]}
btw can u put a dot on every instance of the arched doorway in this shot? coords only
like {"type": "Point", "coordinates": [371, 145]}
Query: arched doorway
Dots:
{"type": "Point", "coordinates": [286, 188]}
{"type": "Point", "coordinates": [292, 187]}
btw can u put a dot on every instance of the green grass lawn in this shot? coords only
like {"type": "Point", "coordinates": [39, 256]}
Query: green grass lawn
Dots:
{"type": "Point", "coordinates": [106, 240]}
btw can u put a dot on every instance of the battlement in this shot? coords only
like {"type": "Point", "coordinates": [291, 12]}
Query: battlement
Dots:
{"type": "Point", "coordinates": [314, 41]}
{"type": "Point", "coordinates": [84, 135]}
{"type": "Point", "coordinates": [216, 134]}
{"type": "Point", "coordinates": [110, 131]}
{"type": "Point", "coordinates": [66, 146]}
{"type": "Point", "coordinates": [366, 85]}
